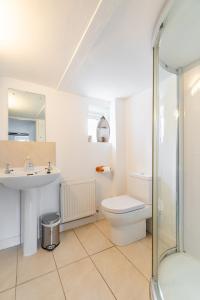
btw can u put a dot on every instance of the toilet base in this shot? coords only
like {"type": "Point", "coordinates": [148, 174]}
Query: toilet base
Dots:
{"type": "Point", "coordinates": [127, 234]}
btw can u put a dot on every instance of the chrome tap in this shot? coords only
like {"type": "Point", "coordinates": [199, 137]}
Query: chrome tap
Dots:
{"type": "Point", "coordinates": [49, 168]}
{"type": "Point", "coordinates": [7, 169]}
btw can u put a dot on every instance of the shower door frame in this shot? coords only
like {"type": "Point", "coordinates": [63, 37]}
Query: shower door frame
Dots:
{"type": "Point", "coordinates": [154, 286]}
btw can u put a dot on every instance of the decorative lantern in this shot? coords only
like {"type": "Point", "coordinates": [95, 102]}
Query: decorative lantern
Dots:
{"type": "Point", "coordinates": [103, 130]}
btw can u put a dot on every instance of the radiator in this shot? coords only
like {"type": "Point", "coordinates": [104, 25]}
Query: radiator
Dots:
{"type": "Point", "coordinates": [77, 199]}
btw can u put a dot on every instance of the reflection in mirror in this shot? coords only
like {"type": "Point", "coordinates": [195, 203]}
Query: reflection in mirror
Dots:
{"type": "Point", "coordinates": [26, 116]}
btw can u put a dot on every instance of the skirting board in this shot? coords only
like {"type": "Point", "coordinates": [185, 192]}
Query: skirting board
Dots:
{"type": "Point", "coordinates": [11, 242]}
{"type": "Point", "coordinates": [14, 241]}
{"type": "Point", "coordinates": [77, 223]}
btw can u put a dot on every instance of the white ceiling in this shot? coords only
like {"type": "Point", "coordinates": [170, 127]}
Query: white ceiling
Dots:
{"type": "Point", "coordinates": [119, 63]}
{"type": "Point", "coordinates": [97, 48]}
{"type": "Point", "coordinates": [180, 44]}
{"type": "Point", "coordinates": [38, 37]}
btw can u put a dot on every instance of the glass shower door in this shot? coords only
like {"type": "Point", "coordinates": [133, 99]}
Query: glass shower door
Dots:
{"type": "Point", "coordinates": [165, 175]}
{"type": "Point", "coordinates": [167, 166]}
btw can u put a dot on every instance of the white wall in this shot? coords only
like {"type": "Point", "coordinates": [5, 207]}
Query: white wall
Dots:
{"type": "Point", "coordinates": [139, 133]}
{"type": "Point", "coordinates": [138, 128]}
{"type": "Point", "coordinates": [119, 146]}
{"type": "Point", "coordinates": [66, 124]}
{"type": "Point", "coordinates": [192, 163]}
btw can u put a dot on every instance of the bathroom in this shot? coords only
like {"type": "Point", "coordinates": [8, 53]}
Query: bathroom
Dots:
{"type": "Point", "coordinates": [65, 65]}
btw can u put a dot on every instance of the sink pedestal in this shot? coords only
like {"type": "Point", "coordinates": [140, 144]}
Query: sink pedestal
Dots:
{"type": "Point", "coordinates": [29, 220]}
{"type": "Point", "coordinates": [30, 186]}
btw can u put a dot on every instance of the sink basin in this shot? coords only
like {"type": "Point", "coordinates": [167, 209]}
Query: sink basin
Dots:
{"type": "Point", "coordinates": [22, 180]}
{"type": "Point", "coordinates": [30, 184]}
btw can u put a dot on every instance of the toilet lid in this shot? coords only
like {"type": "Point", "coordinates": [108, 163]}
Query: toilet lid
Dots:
{"type": "Point", "coordinates": [121, 204]}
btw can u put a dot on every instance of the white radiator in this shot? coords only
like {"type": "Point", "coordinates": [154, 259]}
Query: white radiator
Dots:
{"type": "Point", "coordinates": [77, 199]}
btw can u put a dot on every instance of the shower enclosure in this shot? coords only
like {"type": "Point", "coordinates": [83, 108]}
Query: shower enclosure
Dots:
{"type": "Point", "coordinates": [176, 160]}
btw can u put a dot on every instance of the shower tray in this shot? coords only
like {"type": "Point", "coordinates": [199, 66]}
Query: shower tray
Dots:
{"type": "Point", "coordinates": [179, 277]}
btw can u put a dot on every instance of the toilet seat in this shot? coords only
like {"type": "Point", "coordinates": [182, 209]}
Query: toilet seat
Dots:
{"type": "Point", "coordinates": [121, 204]}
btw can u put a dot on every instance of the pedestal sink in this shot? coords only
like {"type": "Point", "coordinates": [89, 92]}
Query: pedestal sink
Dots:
{"type": "Point", "coordinates": [28, 183]}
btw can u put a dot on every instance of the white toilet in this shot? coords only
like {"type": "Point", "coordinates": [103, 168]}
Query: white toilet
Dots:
{"type": "Point", "coordinates": [127, 214]}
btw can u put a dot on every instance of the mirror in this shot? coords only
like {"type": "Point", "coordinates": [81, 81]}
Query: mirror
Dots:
{"type": "Point", "coordinates": [26, 116]}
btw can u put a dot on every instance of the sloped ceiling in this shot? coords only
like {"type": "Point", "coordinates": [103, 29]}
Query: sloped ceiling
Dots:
{"type": "Point", "coordinates": [119, 63]}
{"type": "Point", "coordinates": [38, 37]}
{"type": "Point", "coordinates": [97, 48]}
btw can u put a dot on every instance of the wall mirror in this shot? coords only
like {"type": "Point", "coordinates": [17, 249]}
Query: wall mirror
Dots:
{"type": "Point", "coordinates": [26, 116]}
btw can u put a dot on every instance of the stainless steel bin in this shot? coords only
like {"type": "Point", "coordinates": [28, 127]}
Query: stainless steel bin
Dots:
{"type": "Point", "coordinates": [50, 231]}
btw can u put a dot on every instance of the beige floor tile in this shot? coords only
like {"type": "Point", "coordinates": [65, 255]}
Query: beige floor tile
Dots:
{"type": "Point", "coordinates": [8, 265]}
{"type": "Point", "coordinates": [35, 265]}
{"type": "Point", "coordinates": [104, 226]}
{"type": "Point", "coordinates": [69, 250]}
{"type": "Point", "coordinates": [41, 288]}
{"type": "Point", "coordinates": [124, 280]}
{"type": "Point", "coordinates": [81, 281]}
{"type": "Point", "coordinates": [8, 295]}
{"type": "Point", "coordinates": [92, 239]}
{"type": "Point", "coordinates": [140, 255]}
{"type": "Point", "coordinates": [147, 241]}
{"type": "Point", "coordinates": [162, 247]}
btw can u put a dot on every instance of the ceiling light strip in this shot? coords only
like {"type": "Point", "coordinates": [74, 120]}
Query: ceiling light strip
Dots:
{"type": "Point", "coordinates": [79, 43]}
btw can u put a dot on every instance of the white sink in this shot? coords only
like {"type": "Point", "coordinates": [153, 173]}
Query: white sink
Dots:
{"type": "Point", "coordinates": [22, 180]}
{"type": "Point", "coordinates": [30, 185]}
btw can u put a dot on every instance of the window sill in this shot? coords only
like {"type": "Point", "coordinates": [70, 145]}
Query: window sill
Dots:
{"type": "Point", "coordinates": [99, 143]}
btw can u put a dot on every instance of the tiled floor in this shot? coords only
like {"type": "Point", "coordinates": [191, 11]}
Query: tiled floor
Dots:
{"type": "Point", "coordinates": [85, 266]}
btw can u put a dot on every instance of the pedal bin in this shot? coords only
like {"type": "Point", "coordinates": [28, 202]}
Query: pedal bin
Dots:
{"type": "Point", "coordinates": [50, 231]}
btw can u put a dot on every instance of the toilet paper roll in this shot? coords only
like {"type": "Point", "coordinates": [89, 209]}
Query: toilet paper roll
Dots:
{"type": "Point", "coordinates": [103, 169]}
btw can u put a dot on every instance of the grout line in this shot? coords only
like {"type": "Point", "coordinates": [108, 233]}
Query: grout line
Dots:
{"type": "Point", "coordinates": [14, 286]}
{"type": "Point", "coordinates": [16, 272]}
{"type": "Point", "coordinates": [59, 276]}
{"type": "Point", "coordinates": [82, 258]}
{"type": "Point", "coordinates": [41, 275]}
{"type": "Point", "coordinates": [104, 234]}
{"type": "Point", "coordinates": [112, 245]}
{"type": "Point", "coordinates": [35, 277]}
{"type": "Point", "coordinates": [103, 278]}
{"type": "Point", "coordinates": [132, 264]}
{"type": "Point", "coordinates": [73, 262]}
{"type": "Point", "coordinates": [115, 246]}
{"type": "Point", "coordinates": [81, 243]}
{"type": "Point", "coordinates": [6, 290]}
{"type": "Point", "coordinates": [67, 264]}
{"type": "Point", "coordinates": [89, 256]}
